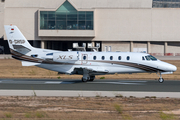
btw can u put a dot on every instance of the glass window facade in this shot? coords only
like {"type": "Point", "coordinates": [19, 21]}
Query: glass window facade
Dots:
{"type": "Point", "coordinates": [166, 4]}
{"type": "Point", "coordinates": [67, 18]}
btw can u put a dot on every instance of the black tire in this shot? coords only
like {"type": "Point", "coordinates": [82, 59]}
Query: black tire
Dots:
{"type": "Point", "coordinates": [83, 80]}
{"type": "Point", "coordinates": [161, 80]}
{"type": "Point", "coordinates": [92, 78]}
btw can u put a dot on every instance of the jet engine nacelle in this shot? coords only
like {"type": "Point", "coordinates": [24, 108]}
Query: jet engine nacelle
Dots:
{"type": "Point", "coordinates": [65, 57]}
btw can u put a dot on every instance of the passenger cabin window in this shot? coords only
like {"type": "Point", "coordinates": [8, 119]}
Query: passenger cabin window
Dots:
{"type": "Point", "coordinates": [94, 57]}
{"type": "Point", "coordinates": [128, 58]}
{"type": "Point", "coordinates": [103, 57]}
{"type": "Point", "coordinates": [84, 57]}
{"type": "Point", "coordinates": [111, 57]}
{"type": "Point", "coordinates": [143, 58]}
{"type": "Point", "coordinates": [119, 58]}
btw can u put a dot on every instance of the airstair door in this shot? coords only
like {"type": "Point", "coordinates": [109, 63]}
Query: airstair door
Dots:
{"type": "Point", "coordinates": [84, 58]}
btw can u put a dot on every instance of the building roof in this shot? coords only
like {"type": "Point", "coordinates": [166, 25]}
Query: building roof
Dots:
{"type": "Point", "coordinates": [80, 4]}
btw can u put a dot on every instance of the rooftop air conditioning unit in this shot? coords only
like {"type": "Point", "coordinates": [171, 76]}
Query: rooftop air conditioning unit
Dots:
{"type": "Point", "coordinates": [89, 45]}
{"type": "Point", "coordinates": [98, 45]}
{"type": "Point", "coordinates": [84, 44]}
{"type": "Point", "coordinates": [75, 45]}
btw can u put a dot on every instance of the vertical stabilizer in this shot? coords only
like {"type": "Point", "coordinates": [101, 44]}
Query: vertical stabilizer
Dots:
{"type": "Point", "coordinates": [16, 40]}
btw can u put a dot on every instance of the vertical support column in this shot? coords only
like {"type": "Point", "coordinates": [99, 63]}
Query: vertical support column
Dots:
{"type": "Point", "coordinates": [43, 44]}
{"type": "Point", "coordinates": [131, 46]}
{"type": "Point", "coordinates": [165, 48]}
{"type": "Point", "coordinates": [93, 44]}
{"type": "Point", "coordinates": [149, 47]}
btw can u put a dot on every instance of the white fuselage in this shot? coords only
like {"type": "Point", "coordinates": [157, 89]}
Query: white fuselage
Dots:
{"type": "Point", "coordinates": [113, 62]}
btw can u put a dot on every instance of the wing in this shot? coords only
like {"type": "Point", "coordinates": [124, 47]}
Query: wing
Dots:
{"type": "Point", "coordinates": [90, 71]}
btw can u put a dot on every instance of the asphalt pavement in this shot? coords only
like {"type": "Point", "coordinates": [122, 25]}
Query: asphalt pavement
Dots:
{"type": "Point", "coordinates": [96, 85]}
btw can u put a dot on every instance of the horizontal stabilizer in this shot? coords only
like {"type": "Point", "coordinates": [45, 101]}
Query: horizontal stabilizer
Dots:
{"type": "Point", "coordinates": [24, 63]}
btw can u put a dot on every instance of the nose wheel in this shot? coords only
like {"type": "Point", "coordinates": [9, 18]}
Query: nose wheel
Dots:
{"type": "Point", "coordinates": [161, 80]}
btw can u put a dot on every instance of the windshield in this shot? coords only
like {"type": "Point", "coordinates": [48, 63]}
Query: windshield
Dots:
{"type": "Point", "coordinates": [150, 57]}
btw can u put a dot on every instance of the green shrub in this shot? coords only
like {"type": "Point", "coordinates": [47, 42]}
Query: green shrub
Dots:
{"type": "Point", "coordinates": [102, 77]}
{"type": "Point", "coordinates": [28, 115]}
{"type": "Point", "coordinates": [118, 108]}
{"type": "Point", "coordinates": [39, 114]}
{"type": "Point", "coordinates": [165, 116]}
{"type": "Point", "coordinates": [8, 115]}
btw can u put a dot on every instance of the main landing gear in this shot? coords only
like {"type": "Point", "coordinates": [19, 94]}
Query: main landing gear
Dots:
{"type": "Point", "coordinates": [86, 77]}
{"type": "Point", "coordinates": [90, 78]}
{"type": "Point", "coordinates": [161, 80]}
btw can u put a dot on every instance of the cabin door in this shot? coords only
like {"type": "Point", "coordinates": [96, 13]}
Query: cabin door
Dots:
{"type": "Point", "coordinates": [84, 58]}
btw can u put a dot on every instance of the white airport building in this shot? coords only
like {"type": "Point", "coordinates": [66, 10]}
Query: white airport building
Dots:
{"type": "Point", "coordinates": [151, 26]}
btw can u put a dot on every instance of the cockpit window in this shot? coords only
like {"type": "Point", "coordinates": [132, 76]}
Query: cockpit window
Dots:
{"type": "Point", "coordinates": [147, 58]}
{"type": "Point", "coordinates": [150, 57]}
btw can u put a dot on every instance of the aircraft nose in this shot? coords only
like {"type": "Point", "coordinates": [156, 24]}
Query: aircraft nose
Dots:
{"type": "Point", "coordinates": [173, 68]}
{"type": "Point", "coordinates": [168, 67]}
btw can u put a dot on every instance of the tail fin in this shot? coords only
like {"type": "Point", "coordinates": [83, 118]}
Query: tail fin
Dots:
{"type": "Point", "coordinates": [16, 40]}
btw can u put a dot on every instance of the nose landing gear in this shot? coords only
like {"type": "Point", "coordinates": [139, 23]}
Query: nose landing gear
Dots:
{"type": "Point", "coordinates": [161, 80]}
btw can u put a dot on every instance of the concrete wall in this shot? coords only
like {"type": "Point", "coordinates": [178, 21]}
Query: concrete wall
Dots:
{"type": "Point", "coordinates": [137, 24]}
{"type": "Point", "coordinates": [140, 47]}
{"type": "Point", "coordinates": [157, 48]}
{"type": "Point", "coordinates": [174, 48]}
{"type": "Point", "coordinates": [123, 24]}
{"type": "Point", "coordinates": [1, 19]}
{"type": "Point", "coordinates": [49, 4]}
{"type": "Point", "coordinates": [117, 46]}
{"type": "Point", "coordinates": [165, 24]}
{"type": "Point", "coordinates": [81, 4]}
{"type": "Point", "coordinates": [25, 18]}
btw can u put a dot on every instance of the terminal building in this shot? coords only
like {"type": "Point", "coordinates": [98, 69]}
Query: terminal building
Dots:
{"type": "Point", "coordinates": [151, 26]}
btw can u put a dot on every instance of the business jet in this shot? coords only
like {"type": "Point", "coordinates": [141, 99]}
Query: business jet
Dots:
{"type": "Point", "coordinates": [88, 64]}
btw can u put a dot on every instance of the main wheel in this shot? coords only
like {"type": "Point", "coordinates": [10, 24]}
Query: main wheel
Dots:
{"type": "Point", "coordinates": [92, 78]}
{"type": "Point", "coordinates": [84, 80]}
{"type": "Point", "coordinates": [161, 80]}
